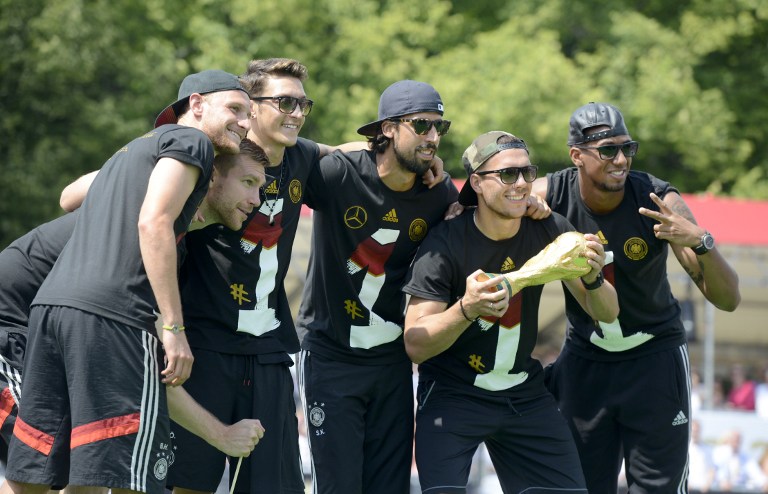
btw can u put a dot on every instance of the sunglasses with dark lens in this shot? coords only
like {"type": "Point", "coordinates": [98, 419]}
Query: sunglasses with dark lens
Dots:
{"type": "Point", "coordinates": [609, 151]}
{"type": "Point", "coordinates": [288, 104]}
{"type": "Point", "coordinates": [422, 126]}
{"type": "Point", "coordinates": [511, 174]}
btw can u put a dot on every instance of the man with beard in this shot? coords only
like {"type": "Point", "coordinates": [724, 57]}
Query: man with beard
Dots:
{"type": "Point", "coordinates": [95, 411]}
{"type": "Point", "coordinates": [624, 387]}
{"type": "Point", "coordinates": [371, 212]}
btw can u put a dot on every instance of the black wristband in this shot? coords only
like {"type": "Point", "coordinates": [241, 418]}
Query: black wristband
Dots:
{"type": "Point", "coordinates": [463, 312]}
{"type": "Point", "coordinates": [595, 284]}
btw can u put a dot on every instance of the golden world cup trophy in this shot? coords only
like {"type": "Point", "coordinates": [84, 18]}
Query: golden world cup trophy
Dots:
{"type": "Point", "coordinates": [563, 259]}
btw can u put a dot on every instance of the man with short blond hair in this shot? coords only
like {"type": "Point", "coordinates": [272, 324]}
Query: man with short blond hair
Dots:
{"type": "Point", "coordinates": [94, 409]}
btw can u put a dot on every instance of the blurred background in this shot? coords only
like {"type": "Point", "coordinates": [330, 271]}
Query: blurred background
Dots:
{"type": "Point", "coordinates": [80, 78]}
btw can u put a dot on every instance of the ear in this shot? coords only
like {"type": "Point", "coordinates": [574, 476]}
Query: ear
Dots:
{"type": "Point", "coordinates": [474, 181]}
{"type": "Point", "coordinates": [575, 154]}
{"type": "Point", "coordinates": [196, 104]}
{"type": "Point", "coordinates": [388, 128]}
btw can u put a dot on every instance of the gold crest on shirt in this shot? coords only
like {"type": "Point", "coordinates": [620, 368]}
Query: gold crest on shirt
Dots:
{"type": "Point", "coordinates": [635, 248]}
{"type": "Point", "coordinates": [418, 230]}
{"type": "Point", "coordinates": [294, 191]}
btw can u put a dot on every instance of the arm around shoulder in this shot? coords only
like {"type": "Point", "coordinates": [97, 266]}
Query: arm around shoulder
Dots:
{"type": "Point", "coordinates": [74, 194]}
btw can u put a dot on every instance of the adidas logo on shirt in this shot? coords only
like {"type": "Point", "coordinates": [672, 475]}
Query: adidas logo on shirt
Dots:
{"type": "Point", "coordinates": [390, 216]}
{"type": "Point", "coordinates": [680, 419]}
{"type": "Point", "coordinates": [508, 265]}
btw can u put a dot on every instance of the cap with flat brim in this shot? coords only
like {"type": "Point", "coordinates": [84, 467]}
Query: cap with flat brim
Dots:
{"type": "Point", "coordinates": [483, 148]}
{"type": "Point", "coordinates": [404, 98]}
{"type": "Point", "coordinates": [207, 81]}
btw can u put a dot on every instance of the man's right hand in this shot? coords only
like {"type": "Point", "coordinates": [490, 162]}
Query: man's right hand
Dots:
{"type": "Point", "coordinates": [241, 438]}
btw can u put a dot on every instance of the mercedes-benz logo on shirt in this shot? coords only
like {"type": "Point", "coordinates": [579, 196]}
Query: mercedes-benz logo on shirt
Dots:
{"type": "Point", "coordinates": [355, 217]}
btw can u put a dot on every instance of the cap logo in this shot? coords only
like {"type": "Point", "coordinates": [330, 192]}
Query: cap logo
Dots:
{"type": "Point", "coordinates": [440, 107]}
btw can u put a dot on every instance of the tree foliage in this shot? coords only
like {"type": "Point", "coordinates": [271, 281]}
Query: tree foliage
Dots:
{"type": "Point", "coordinates": [79, 78]}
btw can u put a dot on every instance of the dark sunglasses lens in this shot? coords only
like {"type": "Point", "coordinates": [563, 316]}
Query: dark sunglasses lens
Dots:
{"type": "Point", "coordinates": [529, 173]}
{"type": "Point", "coordinates": [442, 126]}
{"type": "Point", "coordinates": [629, 149]}
{"type": "Point", "coordinates": [421, 125]}
{"type": "Point", "coordinates": [509, 175]}
{"type": "Point", "coordinates": [608, 152]}
{"type": "Point", "coordinates": [287, 104]}
{"type": "Point", "coordinates": [306, 106]}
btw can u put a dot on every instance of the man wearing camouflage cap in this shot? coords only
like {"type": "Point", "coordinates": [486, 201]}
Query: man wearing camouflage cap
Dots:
{"type": "Point", "coordinates": [95, 411]}
{"type": "Point", "coordinates": [624, 387]}
{"type": "Point", "coordinates": [477, 380]}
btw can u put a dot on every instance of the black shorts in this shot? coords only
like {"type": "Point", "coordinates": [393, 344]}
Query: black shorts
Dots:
{"type": "Point", "coordinates": [232, 388]}
{"type": "Point", "coordinates": [12, 348]}
{"type": "Point", "coordinates": [95, 411]}
{"type": "Point", "coordinates": [360, 425]}
{"type": "Point", "coordinates": [639, 406]}
{"type": "Point", "coordinates": [528, 441]}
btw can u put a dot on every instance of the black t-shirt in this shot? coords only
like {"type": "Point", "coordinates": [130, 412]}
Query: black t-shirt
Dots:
{"type": "Point", "coordinates": [232, 283]}
{"type": "Point", "coordinates": [24, 265]}
{"type": "Point", "coordinates": [101, 270]}
{"type": "Point", "coordinates": [364, 237]}
{"type": "Point", "coordinates": [649, 316]}
{"type": "Point", "coordinates": [493, 355]}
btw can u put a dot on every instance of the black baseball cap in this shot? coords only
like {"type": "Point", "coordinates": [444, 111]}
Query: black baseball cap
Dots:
{"type": "Point", "coordinates": [207, 81]}
{"type": "Point", "coordinates": [594, 115]}
{"type": "Point", "coordinates": [403, 98]}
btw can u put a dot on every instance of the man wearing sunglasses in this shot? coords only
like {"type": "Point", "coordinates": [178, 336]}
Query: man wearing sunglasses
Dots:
{"type": "Point", "coordinates": [371, 213]}
{"type": "Point", "coordinates": [624, 387]}
{"type": "Point", "coordinates": [473, 340]}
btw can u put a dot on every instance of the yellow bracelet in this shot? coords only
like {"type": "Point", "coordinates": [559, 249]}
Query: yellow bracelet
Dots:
{"type": "Point", "coordinates": [175, 329]}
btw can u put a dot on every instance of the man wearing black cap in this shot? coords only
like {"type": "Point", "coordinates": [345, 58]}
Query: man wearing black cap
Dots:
{"type": "Point", "coordinates": [95, 411]}
{"type": "Point", "coordinates": [624, 387]}
{"type": "Point", "coordinates": [473, 339]}
{"type": "Point", "coordinates": [371, 214]}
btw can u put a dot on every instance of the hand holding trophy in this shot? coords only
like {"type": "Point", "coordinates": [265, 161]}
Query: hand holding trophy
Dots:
{"type": "Point", "coordinates": [563, 259]}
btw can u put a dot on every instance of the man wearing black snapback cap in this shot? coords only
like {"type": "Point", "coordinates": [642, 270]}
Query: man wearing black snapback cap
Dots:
{"type": "Point", "coordinates": [371, 214]}
{"type": "Point", "coordinates": [95, 411]}
{"type": "Point", "coordinates": [624, 387]}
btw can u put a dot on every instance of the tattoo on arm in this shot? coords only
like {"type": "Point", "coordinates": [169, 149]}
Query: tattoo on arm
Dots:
{"type": "Point", "coordinates": [679, 207]}
{"type": "Point", "coordinates": [697, 277]}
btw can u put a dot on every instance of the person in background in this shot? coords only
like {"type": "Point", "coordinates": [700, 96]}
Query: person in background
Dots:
{"type": "Point", "coordinates": [624, 386]}
{"type": "Point", "coordinates": [701, 472]}
{"type": "Point", "coordinates": [741, 396]}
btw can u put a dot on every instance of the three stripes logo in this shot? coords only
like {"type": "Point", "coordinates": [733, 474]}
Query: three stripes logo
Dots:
{"type": "Point", "coordinates": [390, 216]}
{"type": "Point", "coordinates": [680, 419]}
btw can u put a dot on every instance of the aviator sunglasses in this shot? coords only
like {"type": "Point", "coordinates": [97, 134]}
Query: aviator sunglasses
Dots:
{"type": "Point", "coordinates": [288, 104]}
{"type": "Point", "coordinates": [511, 174]}
{"type": "Point", "coordinates": [609, 151]}
{"type": "Point", "coordinates": [422, 126]}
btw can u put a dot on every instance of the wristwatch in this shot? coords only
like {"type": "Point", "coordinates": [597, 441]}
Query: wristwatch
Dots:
{"type": "Point", "coordinates": [707, 244]}
{"type": "Point", "coordinates": [595, 284]}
